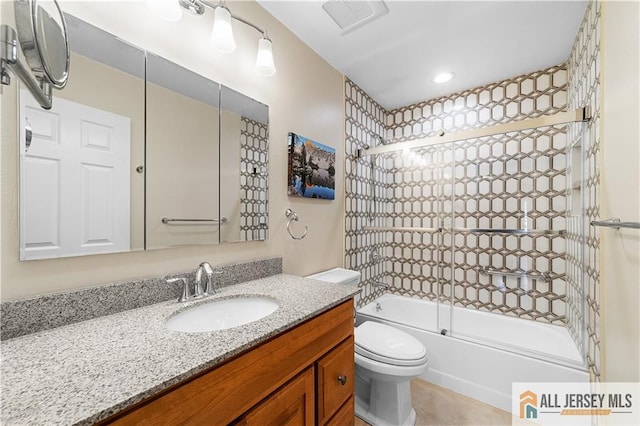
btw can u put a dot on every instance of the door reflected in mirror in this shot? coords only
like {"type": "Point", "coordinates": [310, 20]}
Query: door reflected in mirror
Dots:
{"type": "Point", "coordinates": [78, 194]}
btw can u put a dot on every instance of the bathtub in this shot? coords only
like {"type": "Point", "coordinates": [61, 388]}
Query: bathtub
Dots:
{"type": "Point", "coordinates": [482, 354]}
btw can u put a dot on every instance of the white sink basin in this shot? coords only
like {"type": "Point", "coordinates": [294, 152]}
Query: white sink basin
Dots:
{"type": "Point", "coordinates": [222, 314]}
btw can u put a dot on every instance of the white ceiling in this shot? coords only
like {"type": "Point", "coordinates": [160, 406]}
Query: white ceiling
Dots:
{"type": "Point", "coordinates": [394, 57]}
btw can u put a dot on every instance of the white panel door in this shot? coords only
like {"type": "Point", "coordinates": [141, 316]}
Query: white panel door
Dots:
{"type": "Point", "coordinates": [40, 190]}
{"type": "Point", "coordinates": [74, 180]}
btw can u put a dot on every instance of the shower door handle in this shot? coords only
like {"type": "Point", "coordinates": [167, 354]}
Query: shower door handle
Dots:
{"type": "Point", "coordinates": [28, 134]}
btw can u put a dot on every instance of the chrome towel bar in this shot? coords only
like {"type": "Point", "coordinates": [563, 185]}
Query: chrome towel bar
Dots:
{"type": "Point", "coordinates": [507, 231]}
{"type": "Point", "coordinates": [400, 229]}
{"type": "Point", "coordinates": [549, 232]}
{"type": "Point", "coordinates": [168, 221]}
{"type": "Point", "coordinates": [546, 277]}
{"type": "Point", "coordinates": [616, 223]}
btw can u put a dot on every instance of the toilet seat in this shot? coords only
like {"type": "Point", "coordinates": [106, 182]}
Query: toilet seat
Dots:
{"type": "Point", "coordinates": [388, 345]}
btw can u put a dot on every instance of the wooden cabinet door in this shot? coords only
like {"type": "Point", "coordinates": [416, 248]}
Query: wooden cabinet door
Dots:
{"type": "Point", "coordinates": [335, 379]}
{"type": "Point", "coordinates": [346, 415]}
{"type": "Point", "coordinates": [291, 405]}
{"type": "Point", "coordinates": [229, 390]}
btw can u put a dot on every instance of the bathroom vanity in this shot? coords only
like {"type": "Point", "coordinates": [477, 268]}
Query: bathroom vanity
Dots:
{"type": "Point", "coordinates": [295, 365]}
{"type": "Point", "coordinates": [276, 383]}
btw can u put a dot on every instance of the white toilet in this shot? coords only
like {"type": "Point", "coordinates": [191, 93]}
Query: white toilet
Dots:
{"type": "Point", "coordinates": [386, 360]}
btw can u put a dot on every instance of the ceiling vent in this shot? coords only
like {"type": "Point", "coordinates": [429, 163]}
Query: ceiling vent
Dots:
{"type": "Point", "coordinates": [351, 14]}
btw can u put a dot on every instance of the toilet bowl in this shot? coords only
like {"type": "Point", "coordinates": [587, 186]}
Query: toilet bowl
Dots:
{"type": "Point", "coordinates": [386, 360]}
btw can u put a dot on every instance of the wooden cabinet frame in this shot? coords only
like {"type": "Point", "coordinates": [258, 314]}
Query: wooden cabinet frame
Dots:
{"type": "Point", "coordinates": [227, 391]}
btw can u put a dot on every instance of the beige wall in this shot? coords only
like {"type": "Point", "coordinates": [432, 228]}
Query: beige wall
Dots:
{"type": "Point", "coordinates": [305, 96]}
{"type": "Point", "coordinates": [620, 194]}
{"type": "Point", "coordinates": [230, 175]}
{"type": "Point", "coordinates": [182, 168]}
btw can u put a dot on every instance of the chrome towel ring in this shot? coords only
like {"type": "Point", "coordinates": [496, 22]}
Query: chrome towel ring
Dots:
{"type": "Point", "coordinates": [293, 216]}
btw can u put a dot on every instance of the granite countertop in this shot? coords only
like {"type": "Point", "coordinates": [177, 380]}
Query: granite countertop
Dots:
{"type": "Point", "coordinates": [85, 372]}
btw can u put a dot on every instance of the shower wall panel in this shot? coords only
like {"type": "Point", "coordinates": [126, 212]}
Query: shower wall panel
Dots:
{"type": "Point", "coordinates": [365, 194]}
{"type": "Point", "coordinates": [584, 89]}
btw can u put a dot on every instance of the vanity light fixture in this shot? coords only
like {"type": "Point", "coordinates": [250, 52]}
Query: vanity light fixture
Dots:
{"type": "Point", "coordinates": [222, 34]}
{"type": "Point", "coordinates": [264, 60]}
{"type": "Point", "coordinates": [443, 77]}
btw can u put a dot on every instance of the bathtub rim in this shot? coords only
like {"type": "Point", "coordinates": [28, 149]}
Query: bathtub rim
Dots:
{"type": "Point", "coordinates": [497, 345]}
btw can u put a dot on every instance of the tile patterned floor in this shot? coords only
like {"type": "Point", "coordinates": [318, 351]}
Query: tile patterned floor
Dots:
{"type": "Point", "coordinates": [435, 405]}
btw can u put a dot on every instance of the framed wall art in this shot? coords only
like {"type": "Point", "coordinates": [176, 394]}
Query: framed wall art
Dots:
{"type": "Point", "coordinates": [312, 172]}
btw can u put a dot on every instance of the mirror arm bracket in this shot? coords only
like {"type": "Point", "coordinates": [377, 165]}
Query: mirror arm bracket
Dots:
{"type": "Point", "coordinates": [40, 89]}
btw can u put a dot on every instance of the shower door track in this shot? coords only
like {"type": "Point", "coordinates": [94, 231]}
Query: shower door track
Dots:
{"type": "Point", "coordinates": [580, 114]}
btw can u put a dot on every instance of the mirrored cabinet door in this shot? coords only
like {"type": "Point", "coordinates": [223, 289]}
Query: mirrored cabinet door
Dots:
{"type": "Point", "coordinates": [244, 171]}
{"type": "Point", "coordinates": [79, 192]}
{"type": "Point", "coordinates": [138, 153]}
{"type": "Point", "coordinates": [183, 157]}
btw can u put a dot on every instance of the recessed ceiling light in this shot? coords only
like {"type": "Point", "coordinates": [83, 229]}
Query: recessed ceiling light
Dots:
{"type": "Point", "coordinates": [443, 77]}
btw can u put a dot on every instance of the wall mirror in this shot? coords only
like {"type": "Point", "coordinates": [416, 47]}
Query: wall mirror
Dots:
{"type": "Point", "coordinates": [78, 194]}
{"type": "Point", "coordinates": [183, 186]}
{"type": "Point", "coordinates": [244, 167]}
{"type": "Point", "coordinates": [94, 201]}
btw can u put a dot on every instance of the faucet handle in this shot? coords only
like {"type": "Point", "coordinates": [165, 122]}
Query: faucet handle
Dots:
{"type": "Point", "coordinates": [185, 288]}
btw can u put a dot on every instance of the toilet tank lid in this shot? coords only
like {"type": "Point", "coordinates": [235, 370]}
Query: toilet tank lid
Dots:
{"type": "Point", "coordinates": [337, 275]}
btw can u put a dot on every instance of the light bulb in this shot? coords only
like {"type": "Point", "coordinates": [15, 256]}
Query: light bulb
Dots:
{"type": "Point", "coordinates": [222, 34]}
{"type": "Point", "coordinates": [264, 61]}
{"type": "Point", "coordinates": [169, 10]}
{"type": "Point", "coordinates": [443, 77]}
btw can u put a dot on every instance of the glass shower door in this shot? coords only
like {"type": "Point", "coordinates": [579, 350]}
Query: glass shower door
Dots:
{"type": "Point", "coordinates": [509, 208]}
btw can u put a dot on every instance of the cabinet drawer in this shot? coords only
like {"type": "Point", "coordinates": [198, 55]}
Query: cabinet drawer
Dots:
{"type": "Point", "coordinates": [335, 379]}
{"type": "Point", "coordinates": [346, 415]}
{"type": "Point", "coordinates": [291, 405]}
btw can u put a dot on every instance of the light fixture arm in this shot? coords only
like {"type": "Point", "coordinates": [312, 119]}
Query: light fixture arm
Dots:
{"type": "Point", "coordinates": [237, 18]}
{"type": "Point", "coordinates": [222, 34]}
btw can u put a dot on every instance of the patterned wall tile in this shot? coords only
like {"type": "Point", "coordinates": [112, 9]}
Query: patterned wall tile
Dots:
{"type": "Point", "coordinates": [254, 180]}
{"type": "Point", "coordinates": [482, 183]}
{"type": "Point", "coordinates": [487, 182]}
{"type": "Point", "coordinates": [365, 196]}
{"type": "Point", "coordinates": [584, 89]}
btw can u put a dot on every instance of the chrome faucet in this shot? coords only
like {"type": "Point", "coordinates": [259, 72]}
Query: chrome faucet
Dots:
{"type": "Point", "coordinates": [198, 290]}
{"type": "Point", "coordinates": [209, 289]}
{"type": "Point", "coordinates": [380, 284]}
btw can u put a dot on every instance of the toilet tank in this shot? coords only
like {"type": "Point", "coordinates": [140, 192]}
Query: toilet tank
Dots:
{"type": "Point", "coordinates": [338, 276]}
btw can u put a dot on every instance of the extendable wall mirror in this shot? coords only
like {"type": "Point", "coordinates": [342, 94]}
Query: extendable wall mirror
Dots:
{"type": "Point", "coordinates": [42, 33]}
